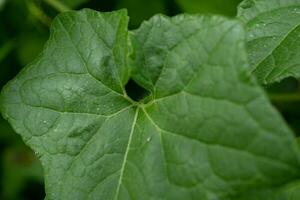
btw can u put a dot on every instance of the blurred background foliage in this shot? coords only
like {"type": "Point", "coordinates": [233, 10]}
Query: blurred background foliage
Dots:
{"type": "Point", "coordinates": [24, 28]}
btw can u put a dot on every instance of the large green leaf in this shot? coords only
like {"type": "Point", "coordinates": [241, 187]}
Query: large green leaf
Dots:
{"type": "Point", "coordinates": [273, 38]}
{"type": "Point", "coordinates": [207, 131]}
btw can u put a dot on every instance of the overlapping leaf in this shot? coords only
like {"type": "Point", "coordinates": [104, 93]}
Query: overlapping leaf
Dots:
{"type": "Point", "coordinates": [207, 131]}
{"type": "Point", "coordinates": [273, 38]}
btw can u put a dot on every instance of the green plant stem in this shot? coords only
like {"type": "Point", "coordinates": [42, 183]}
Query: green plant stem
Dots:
{"type": "Point", "coordinates": [38, 13]}
{"type": "Point", "coordinates": [59, 6]}
{"type": "Point", "coordinates": [285, 97]}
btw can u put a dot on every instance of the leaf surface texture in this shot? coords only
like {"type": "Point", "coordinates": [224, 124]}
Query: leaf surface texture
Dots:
{"type": "Point", "coordinates": [273, 38]}
{"type": "Point", "coordinates": [207, 131]}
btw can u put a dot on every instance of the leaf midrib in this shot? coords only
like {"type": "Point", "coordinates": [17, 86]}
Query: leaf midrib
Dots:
{"type": "Point", "coordinates": [142, 108]}
{"type": "Point", "coordinates": [126, 154]}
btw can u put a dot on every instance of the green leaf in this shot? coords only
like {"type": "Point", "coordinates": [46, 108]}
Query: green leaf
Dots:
{"type": "Point", "coordinates": [212, 6]}
{"type": "Point", "coordinates": [273, 38]}
{"type": "Point", "coordinates": [207, 131]}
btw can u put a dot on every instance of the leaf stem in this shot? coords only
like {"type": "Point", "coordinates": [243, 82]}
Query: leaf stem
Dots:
{"type": "Point", "coordinates": [38, 13]}
{"type": "Point", "coordinates": [59, 6]}
{"type": "Point", "coordinates": [126, 154]}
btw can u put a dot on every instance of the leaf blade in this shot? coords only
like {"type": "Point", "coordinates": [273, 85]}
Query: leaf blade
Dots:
{"type": "Point", "coordinates": [272, 36]}
{"type": "Point", "coordinates": [191, 108]}
{"type": "Point", "coordinates": [70, 107]}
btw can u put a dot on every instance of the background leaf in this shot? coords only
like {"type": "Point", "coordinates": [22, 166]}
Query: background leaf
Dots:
{"type": "Point", "coordinates": [227, 7]}
{"type": "Point", "coordinates": [273, 43]}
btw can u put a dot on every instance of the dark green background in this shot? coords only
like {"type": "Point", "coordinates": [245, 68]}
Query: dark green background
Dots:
{"type": "Point", "coordinates": [24, 28]}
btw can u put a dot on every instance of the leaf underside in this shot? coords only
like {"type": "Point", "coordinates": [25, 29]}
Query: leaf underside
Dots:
{"type": "Point", "coordinates": [206, 132]}
{"type": "Point", "coordinates": [273, 38]}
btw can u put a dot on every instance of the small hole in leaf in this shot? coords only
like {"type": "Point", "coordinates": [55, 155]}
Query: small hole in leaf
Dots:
{"type": "Point", "coordinates": [135, 91]}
